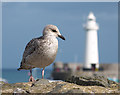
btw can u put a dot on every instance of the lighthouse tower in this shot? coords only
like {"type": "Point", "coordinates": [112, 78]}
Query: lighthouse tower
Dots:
{"type": "Point", "coordinates": [91, 51]}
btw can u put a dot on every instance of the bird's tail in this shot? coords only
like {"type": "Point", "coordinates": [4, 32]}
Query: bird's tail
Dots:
{"type": "Point", "coordinates": [19, 69]}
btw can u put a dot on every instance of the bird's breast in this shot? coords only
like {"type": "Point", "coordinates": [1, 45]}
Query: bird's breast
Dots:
{"type": "Point", "coordinates": [49, 48]}
{"type": "Point", "coordinates": [47, 54]}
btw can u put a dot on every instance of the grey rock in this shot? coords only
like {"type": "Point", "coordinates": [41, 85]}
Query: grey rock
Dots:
{"type": "Point", "coordinates": [15, 88]}
{"type": "Point", "coordinates": [57, 88]}
{"type": "Point", "coordinates": [19, 90]}
{"type": "Point", "coordinates": [91, 81]}
{"type": "Point", "coordinates": [75, 90]}
{"type": "Point", "coordinates": [38, 82]}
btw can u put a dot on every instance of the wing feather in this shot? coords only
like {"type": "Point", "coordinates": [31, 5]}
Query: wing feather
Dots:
{"type": "Point", "coordinates": [30, 48]}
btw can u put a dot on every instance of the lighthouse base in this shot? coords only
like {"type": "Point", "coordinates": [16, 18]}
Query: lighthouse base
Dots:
{"type": "Point", "coordinates": [93, 67]}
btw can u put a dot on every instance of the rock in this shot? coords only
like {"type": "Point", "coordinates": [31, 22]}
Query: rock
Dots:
{"type": "Point", "coordinates": [19, 90]}
{"type": "Point", "coordinates": [91, 81]}
{"type": "Point", "coordinates": [44, 86]}
{"type": "Point", "coordinates": [39, 82]}
{"type": "Point", "coordinates": [1, 83]}
{"type": "Point", "coordinates": [57, 88]}
{"type": "Point", "coordinates": [17, 87]}
{"type": "Point", "coordinates": [75, 90]}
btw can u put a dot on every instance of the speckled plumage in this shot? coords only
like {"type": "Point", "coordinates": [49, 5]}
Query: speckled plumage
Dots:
{"type": "Point", "coordinates": [41, 52]}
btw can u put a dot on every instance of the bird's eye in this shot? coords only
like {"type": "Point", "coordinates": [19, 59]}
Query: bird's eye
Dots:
{"type": "Point", "coordinates": [54, 30]}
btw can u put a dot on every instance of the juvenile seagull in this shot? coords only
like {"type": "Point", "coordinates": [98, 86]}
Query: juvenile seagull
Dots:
{"type": "Point", "coordinates": [41, 52]}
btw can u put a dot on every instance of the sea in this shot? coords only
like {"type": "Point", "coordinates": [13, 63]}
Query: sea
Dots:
{"type": "Point", "coordinates": [14, 76]}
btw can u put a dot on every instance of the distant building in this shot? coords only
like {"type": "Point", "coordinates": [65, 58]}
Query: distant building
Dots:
{"type": "Point", "coordinates": [63, 70]}
{"type": "Point", "coordinates": [91, 51]}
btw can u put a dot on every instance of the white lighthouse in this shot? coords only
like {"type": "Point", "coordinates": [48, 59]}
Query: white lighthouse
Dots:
{"type": "Point", "coordinates": [91, 51]}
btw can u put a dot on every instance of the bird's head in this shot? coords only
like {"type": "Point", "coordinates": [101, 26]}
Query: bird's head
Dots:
{"type": "Point", "coordinates": [52, 30]}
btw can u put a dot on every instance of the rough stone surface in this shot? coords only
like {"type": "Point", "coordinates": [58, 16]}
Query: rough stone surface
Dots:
{"type": "Point", "coordinates": [44, 86]}
{"type": "Point", "coordinates": [92, 81]}
{"type": "Point", "coordinates": [38, 82]}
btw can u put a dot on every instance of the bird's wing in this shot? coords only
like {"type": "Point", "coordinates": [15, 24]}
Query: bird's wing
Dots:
{"type": "Point", "coordinates": [30, 47]}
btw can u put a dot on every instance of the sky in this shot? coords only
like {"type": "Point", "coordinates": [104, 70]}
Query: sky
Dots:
{"type": "Point", "coordinates": [23, 21]}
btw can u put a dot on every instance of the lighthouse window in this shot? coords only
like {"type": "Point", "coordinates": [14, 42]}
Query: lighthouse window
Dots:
{"type": "Point", "coordinates": [90, 19]}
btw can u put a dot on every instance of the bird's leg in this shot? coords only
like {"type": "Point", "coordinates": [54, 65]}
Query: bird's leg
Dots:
{"type": "Point", "coordinates": [43, 73]}
{"type": "Point", "coordinates": [31, 79]}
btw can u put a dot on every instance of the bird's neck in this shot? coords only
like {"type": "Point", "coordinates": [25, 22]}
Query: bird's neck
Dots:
{"type": "Point", "coordinates": [50, 36]}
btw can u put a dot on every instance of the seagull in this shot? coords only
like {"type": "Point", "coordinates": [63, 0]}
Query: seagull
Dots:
{"type": "Point", "coordinates": [41, 52]}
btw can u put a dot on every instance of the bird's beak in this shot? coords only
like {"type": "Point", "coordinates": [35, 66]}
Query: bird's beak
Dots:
{"type": "Point", "coordinates": [61, 36]}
